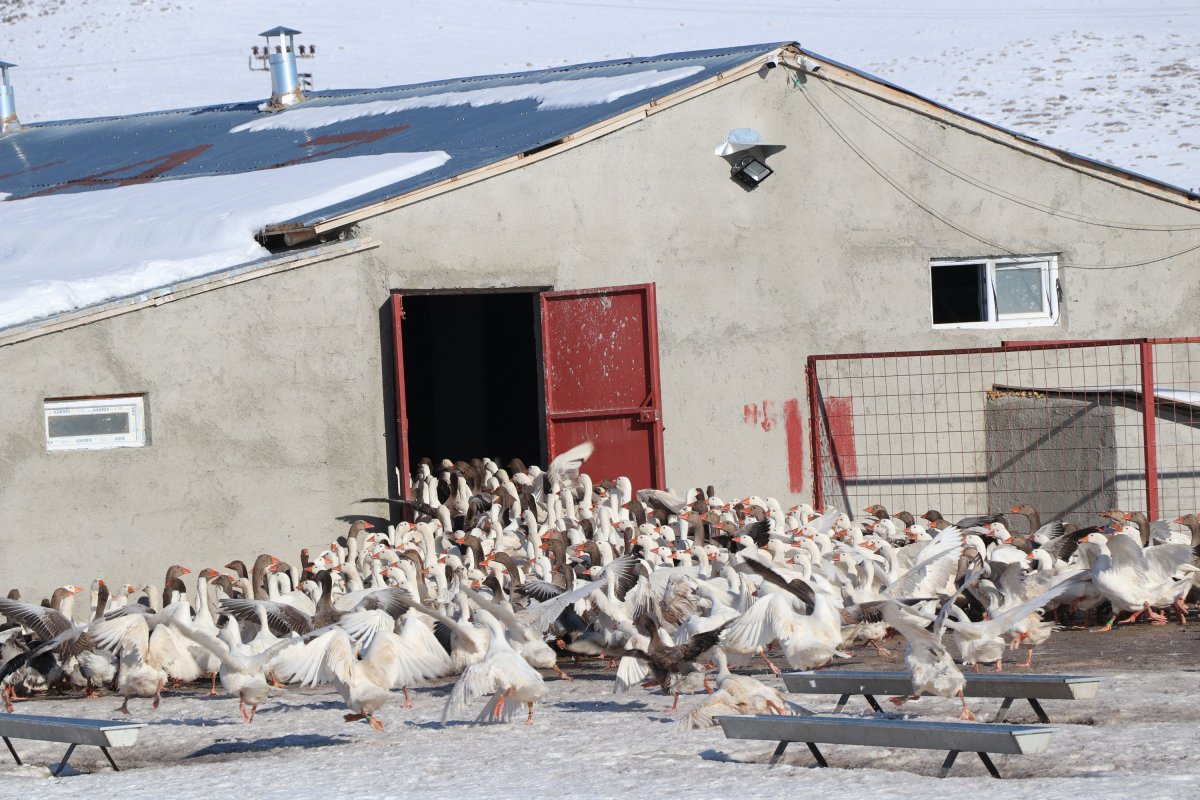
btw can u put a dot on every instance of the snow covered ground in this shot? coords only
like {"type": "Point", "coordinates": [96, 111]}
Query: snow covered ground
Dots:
{"type": "Point", "coordinates": [1136, 738]}
{"type": "Point", "coordinates": [1111, 79]}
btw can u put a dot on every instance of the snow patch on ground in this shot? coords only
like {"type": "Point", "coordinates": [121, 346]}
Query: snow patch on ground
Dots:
{"type": "Point", "coordinates": [60, 252]}
{"type": "Point", "coordinates": [548, 95]}
{"type": "Point", "coordinates": [587, 743]}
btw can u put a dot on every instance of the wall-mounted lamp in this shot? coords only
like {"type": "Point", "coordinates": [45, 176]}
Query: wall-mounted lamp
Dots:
{"type": "Point", "coordinates": [747, 153]}
{"type": "Point", "coordinates": [750, 171]}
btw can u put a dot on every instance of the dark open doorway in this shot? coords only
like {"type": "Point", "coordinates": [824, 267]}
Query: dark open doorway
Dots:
{"type": "Point", "coordinates": [473, 376]}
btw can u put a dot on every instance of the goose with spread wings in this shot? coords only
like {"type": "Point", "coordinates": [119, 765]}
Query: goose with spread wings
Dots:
{"type": "Point", "coordinates": [241, 672]}
{"type": "Point", "coordinates": [364, 660]}
{"type": "Point", "coordinates": [932, 668]}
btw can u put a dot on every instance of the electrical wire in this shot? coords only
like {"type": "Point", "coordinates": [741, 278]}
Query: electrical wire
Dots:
{"type": "Point", "coordinates": [990, 188]}
{"type": "Point", "coordinates": [895, 184]}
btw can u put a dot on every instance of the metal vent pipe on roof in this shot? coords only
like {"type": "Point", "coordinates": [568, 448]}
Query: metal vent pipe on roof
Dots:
{"type": "Point", "coordinates": [285, 78]}
{"type": "Point", "coordinates": [8, 104]}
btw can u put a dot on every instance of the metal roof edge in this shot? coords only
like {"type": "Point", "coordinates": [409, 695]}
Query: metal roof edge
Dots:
{"type": "Point", "coordinates": [253, 105]}
{"type": "Point", "coordinates": [298, 228]}
{"type": "Point", "coordinates": [161, 295]}
{"type": "Point", "coordinates": [1025, 138]}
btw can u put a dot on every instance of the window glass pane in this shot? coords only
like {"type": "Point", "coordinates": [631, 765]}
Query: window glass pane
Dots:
{"type": "Point", "coordinates": [88, 424]}
{"type": "Point", "coordinates": [1019, 290]}
{"type": "Point", "coordinates": [958, 293]}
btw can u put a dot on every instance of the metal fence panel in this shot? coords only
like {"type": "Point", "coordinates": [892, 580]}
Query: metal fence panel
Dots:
{"type": "Point", "coordinates": [1072, 428]}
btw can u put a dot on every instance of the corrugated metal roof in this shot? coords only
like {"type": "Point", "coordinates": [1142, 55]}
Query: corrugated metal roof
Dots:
{"type": "Point", "coordinates": [84, 155]}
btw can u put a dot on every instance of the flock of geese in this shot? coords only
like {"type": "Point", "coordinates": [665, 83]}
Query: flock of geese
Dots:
{"type": "Point", "coordinates": [504, 572]}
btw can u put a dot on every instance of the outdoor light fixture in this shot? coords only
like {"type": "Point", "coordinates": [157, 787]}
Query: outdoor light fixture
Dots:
{"type": "Point", "coordinates": [747, 153]}
{"type": "Point", "coordinates": [750, 171]}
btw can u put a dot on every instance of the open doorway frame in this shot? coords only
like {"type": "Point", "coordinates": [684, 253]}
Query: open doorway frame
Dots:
{"type": "Point", "coordinates": [621, 410]}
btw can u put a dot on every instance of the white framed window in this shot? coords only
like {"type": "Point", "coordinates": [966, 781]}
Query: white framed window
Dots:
{"type": "Point", "coordinates": [994, 292]}
{"type": "Point", "coordinates": [97, 423]}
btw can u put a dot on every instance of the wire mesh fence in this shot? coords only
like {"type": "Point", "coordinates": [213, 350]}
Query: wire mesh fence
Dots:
{"type": "Point", "coordinates": [1072, 429]}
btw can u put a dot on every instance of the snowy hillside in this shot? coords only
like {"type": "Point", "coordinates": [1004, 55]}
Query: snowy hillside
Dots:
{"type": "Point", "coordinates": [1111, 79]}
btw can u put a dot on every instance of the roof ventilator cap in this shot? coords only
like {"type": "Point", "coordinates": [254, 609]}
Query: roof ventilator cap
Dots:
{"type": "Point", "coordinates": [8, 104]}
{"type": "Point", "coordinates": [285, 78]}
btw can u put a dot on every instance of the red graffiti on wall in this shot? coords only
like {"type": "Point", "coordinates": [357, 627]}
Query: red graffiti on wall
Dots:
{"type": "Point", "coordinates": [765, 415]}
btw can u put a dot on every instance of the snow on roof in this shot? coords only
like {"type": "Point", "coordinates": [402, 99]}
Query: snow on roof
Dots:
{"type": "Point", "coordinates": [561, 93]}
{"type": "Point", "coordinates": [129, 239]}
{"type": "Point", "coordinates": [103, 208]}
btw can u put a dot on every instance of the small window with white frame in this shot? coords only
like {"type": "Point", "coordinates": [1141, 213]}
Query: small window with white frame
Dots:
{"type": "Point", "coordinates": [994, 292]}
{"type": "Point", "coordinates": [97, 423]}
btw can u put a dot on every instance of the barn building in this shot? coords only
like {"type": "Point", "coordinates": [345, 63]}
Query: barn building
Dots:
{"type": "Point", "coordinates": [220, 327]}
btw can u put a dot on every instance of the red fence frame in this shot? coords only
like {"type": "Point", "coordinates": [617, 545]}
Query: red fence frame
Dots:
{"type": "Point", "coordinates": [1175, 371]}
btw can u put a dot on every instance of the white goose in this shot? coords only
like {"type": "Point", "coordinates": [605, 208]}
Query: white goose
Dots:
{"type": "Point", "coordinates": [1135, 580]}
{"type": "Point", "coordinates": [140, 673]}
{"type": "Point", "coordinates": [502, 673]}
{"type": "Point", "coordinates": [364, 676]}
{"type": "Point", "coordinates": [242, 672]}
{"type": "Point", "coordinates": [933, 670]}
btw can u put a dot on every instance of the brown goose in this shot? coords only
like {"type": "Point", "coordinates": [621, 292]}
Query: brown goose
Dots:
{"type": "Point", "coordinates": [1029, 513]}
{"type": "Point", "coordinates": [1193, 525]}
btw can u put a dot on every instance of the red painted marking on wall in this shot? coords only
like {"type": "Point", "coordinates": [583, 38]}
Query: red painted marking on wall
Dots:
{"type": "Point", "coordinates": [768, 414]}
{"type": "Point", "coordinates": [839, 412]}
{"type": "Point", "coordinates": [795, 445]}
{"type": "Point", "coordinates": [750, 413]}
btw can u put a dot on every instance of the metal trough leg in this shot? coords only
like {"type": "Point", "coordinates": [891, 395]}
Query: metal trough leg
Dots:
{"type": "Point", "coordinates": [948, 763]}
{"type": "Point", "coordinates": [108, 755]}
{"type": "Point", "coordinates": [12, 750]}
{"type": "Point", "coordinates": [63, 764]}
{"type": "Point", "coordinates": [987, 762]}
{"type": "Point", "coordinates": [1037, 709]}
{"type": "Point", "coordinates": [812, 748]}
{"type": "Point", "coordinates": [841, 703]}
{"type": "Point", "coordinates": [778, 754]}
{"type": "Point", "coordinates": [1003, 712]}
{"type": "Point", "coordinates": [874, 704]}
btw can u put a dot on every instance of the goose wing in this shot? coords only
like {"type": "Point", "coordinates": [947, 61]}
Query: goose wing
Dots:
{"type": "Point", "coordinates": [467, 635]}
{"type": "Point", "coordinates": [46, 623]}
{"type": "Point", "coordinates": [1163, 560]}
{"type": "Point", "coordinates": [127, 636]}
{"type": "Point", "coordinates": [938, 564]}
{"type": "Point", "coordinates": [797, 587]}
{"type": "Point", "coordinates": [282, 619]}
{"type": "Point", "coordinates": [308, 663]}
{"type": "Point", "coordinates": [542, 615]}
{"type": "Point", "coordinates": [564, 469]}
{"type": "Point", "coordinates": [1007, 618]}
{"type": "Point", "coordinates": [1127, 556]}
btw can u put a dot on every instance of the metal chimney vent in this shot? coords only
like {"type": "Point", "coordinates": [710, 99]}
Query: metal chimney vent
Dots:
{"type": "Point", "coordinates": [280, 60]}
{"type": "Point", "coordinates": [8, 104]}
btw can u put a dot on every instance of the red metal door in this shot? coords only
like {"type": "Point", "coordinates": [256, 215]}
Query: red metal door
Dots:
{"type": "Point", "coordinates": [401, 405]}
{"type": "Point", "coordinates": [600, 351]}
